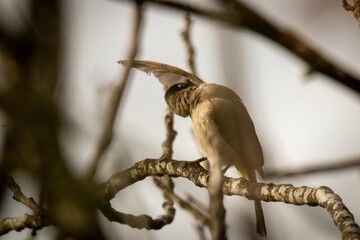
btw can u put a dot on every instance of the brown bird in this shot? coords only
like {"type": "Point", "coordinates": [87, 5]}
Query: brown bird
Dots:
{"type": "Point", "coordinates": [217, 113]}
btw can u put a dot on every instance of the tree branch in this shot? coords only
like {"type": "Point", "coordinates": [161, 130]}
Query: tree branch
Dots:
{"type": "Point", "coordinates": [167, 145]}
{"type": "Point", "coordinates": [20, 197]}
{"type": "Point", "coordinates": [141, 221]}
{"type": "Point", "coordinates": [165, 183]}
{"type": "Point", "coordinates": [238, 15]}
{"type": "Point", "coordinates": [185, 33]}
{"type": "Point", "coordinates": [321, 196]}
{"type": "Point", "coordinates": [187, 205]}
{"type": "Point", "coordinates": [35, 222]}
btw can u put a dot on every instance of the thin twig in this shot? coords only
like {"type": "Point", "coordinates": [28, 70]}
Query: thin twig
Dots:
{"type": "Point", "coordinates": [167, 145]}
{"type": "Point", "coordinates": [116, 97]}
{"type": "Point", "coordinates": [166, 182]}
{"type": "Point", "coordinates": [185, 33]}
{"type": "Point", "coordinates": [187, 205]}
{"type": "Point", "coordinates": [196, 202]}
{"type": "Point", "coordinates": [324, 168]}
{"type": "Point", "coordinates": [20, 197]}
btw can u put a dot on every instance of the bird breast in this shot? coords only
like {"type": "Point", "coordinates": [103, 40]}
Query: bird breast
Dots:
{"type": "Point", "coordinates": [201, 117]}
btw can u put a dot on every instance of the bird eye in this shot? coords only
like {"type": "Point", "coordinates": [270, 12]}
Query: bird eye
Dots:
{"type": "Point", "coordinates": [180, 85]}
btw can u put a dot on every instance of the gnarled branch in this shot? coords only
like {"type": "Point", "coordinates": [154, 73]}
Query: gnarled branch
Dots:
{"type": "Point", "coordinates": [141, 221]}
{"type": "Point", "coordinates": [34, 222]}
{"type": "Point", "coordinates": [321, 196]}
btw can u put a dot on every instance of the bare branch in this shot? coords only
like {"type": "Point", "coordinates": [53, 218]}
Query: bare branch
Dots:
{"type": "Point", "coordinates": [25, 221]}
{"type": "Point", "coordinates": [37, 221]}
{"type": "Point", "coordinates": [20, 197]}
{"type": "Point", "coordinates": [187, 205]}
{"type": "Point", "coordinates": [321, 196]}
{"type": "Point", "coordinates": [141, 221]}
{"type": "Point", "coordinates": [238, 15]}
{"type": "Point", "coordinates": [170, 135]}
{"type": "Point", "coordinates": [196, 202]}
{"type": "Point", "coordinates": [116, 97]}
{"type": "Point", "coordinates": [185, 33]}
{"type": "Point", "coordinates": [336, 166]}
{"type": "Point", "coordinates": [165, 181]}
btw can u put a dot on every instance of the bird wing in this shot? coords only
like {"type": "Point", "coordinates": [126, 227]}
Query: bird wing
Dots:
{"type": "Point", "coordinates": [238, 131]}
{"type": "Point", "coordinates": [167, 75]}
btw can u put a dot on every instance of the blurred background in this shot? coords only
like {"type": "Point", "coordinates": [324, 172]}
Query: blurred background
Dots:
{"type": "Point", "coordinates": [300, 120]}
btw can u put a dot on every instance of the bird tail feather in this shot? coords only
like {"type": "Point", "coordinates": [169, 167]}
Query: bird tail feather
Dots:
{"type": "Point", "coordinates": [260, 220]}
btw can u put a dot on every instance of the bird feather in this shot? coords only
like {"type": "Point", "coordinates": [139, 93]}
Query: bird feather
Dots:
{"type": "Point", "coordinates": [167, 75]}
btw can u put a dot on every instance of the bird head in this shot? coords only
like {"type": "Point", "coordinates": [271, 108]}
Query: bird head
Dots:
{"type": "Point", "coordinates": [179, 86]}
